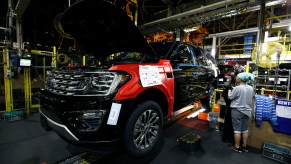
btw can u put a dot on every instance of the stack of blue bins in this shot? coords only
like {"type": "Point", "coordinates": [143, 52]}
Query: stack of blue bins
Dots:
{"type": "Point", "coordinates": [13, 115]}
{"type": "Point", "coordinates": [248, 46]}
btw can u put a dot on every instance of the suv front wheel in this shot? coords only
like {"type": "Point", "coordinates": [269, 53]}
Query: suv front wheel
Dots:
{"type": "Point", "coordinates": [143, 129]}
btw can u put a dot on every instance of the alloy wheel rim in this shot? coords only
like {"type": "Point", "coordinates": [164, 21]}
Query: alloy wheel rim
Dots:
{"type": "Point", "coordinates": [146, 129]}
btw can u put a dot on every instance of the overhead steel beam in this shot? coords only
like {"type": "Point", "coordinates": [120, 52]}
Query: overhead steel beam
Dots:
{"type": "Point", "coordinates": [168, 2]}
{"type": "Point", "coordinates": [5, 29]}
{"type": "Point", "coordinates": [21, 6]}
{"type": "Point", "coordinates": [249, 30]}
{"type": "Point", "coordinates": [284, 23]}
{"type": "Point", "coordinates": [247, 18]}
{"type": "Point", "coordinates": [195, 11]}
{"type": "Point", "coordinates": [235, 32]}
{"type": "Point", "coordinates": [209, 12]}
{"type": "Point", "coordinates": [224, 25]}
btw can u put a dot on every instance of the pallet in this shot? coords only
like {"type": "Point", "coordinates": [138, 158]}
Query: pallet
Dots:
{"type": "Point", "coordinates": [189, 142]}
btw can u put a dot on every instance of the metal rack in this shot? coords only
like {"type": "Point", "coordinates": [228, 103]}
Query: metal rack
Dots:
{"type": "Point", "coordinates": [272, 83]}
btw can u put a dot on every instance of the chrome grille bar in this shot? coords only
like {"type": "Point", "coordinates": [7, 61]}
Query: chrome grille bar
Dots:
{"type": "Point", "coordinates": [80, 83]}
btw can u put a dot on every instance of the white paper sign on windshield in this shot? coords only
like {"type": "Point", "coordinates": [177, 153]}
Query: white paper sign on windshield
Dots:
{"type": "Point", "coordinates": [149, 76]}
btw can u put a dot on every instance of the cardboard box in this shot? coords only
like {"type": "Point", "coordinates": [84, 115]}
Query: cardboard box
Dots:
{"type": "Point", "coordinates": [265, 133]}
{"type": "Point", "coordinates": [257, 135]}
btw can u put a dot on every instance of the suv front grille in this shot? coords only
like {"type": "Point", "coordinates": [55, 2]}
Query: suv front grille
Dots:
{"type": "Point", "coordinates": [80, 83]}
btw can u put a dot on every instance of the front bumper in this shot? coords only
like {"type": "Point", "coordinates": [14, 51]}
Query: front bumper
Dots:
{"type": "Point", "coordinates": [59, 128]}
{"type": "Point", "coordinates": [64, 114]}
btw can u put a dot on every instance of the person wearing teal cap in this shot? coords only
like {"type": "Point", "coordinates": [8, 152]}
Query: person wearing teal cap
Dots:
{"type": "Point", "coordinates": [246, 77]}
{"type": "Point", "coordinates": [241, 106]}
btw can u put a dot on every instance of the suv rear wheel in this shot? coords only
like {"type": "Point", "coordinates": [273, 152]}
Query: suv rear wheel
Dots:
{"type": "Point", "coordinates": [143, 129]}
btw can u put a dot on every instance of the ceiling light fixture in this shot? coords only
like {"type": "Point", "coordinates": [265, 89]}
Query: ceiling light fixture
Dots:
{"type": "Point", "coordinates": [186, 30]}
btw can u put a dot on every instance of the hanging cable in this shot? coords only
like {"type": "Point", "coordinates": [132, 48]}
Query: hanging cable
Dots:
{"type": "Point", "coordinates": [60, 44]}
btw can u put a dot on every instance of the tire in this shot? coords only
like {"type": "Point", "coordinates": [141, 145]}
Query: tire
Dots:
{"type": "Point", "coordinates": [143, 129]}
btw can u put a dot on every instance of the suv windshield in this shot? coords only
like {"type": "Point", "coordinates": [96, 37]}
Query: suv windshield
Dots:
{"type": "Point", "coordinates": [130, 57]}
{"type": "Point", "coordinates": [162, 48]}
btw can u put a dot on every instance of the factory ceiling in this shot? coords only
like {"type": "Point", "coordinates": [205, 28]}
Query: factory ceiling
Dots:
{"type": "Point", "coordinates": [153, 15]}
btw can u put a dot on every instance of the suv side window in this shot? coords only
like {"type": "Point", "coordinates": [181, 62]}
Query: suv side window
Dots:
{"type": "Point", "coordinates": [183, 55]}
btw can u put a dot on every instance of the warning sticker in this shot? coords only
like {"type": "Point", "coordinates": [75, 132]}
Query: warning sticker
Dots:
{"type": "Point", "coordinates": [149, 76]}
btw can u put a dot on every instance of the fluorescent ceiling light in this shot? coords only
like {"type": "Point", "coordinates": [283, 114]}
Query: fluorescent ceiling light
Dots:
{"type": "Point", "coordinates": [190, 29]}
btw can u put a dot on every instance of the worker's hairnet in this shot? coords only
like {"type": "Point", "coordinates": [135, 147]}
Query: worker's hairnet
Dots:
{"type": "Point", "coordinates": [246, 77]}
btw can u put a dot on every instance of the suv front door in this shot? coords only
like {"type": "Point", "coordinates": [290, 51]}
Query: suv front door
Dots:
{"type": "Point", "coordinates": [183, 61]}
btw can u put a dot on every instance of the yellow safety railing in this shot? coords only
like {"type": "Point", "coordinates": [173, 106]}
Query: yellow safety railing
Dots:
{"type": "Point", "coordinates": [54, 58]}
{"type": "Point", "coordinates": [7, 81]}
{"type": "Point", "coordinates": [214, 99]}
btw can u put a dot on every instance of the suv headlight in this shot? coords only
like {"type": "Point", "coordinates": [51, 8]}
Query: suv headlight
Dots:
{"type": "Point", "coordinates": [108, 83]}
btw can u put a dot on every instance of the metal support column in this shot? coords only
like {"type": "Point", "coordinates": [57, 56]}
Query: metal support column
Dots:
{"type": "Point", "coordinates": [7, 81]}
{"type": "Point", "coordinates": [10, 20]}
{"type": "Point", "coordinates": [44, 70]}
{"type": "Point", "coordinates": [261, 27]}
{"type": "Point", "coordinates": [213, 49]}
{"type": "Point", "coordinates": [259, 35]}
{"type": "Point", "coordinates": [19, 33]}
{"type": "Point", "coordinates": [233, 23]}
{"type": "Point", "coordinates": [276, 73]}
{"type": "Point", "coordinates": [27, 89]}
{"type": "Point", "coordinates": [178, 34]}
{"type": "Point", "coordinates": [219, 48]}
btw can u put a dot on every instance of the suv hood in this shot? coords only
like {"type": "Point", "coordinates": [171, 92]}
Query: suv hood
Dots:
{"type": "Point", "coordinates": [102, 28]}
